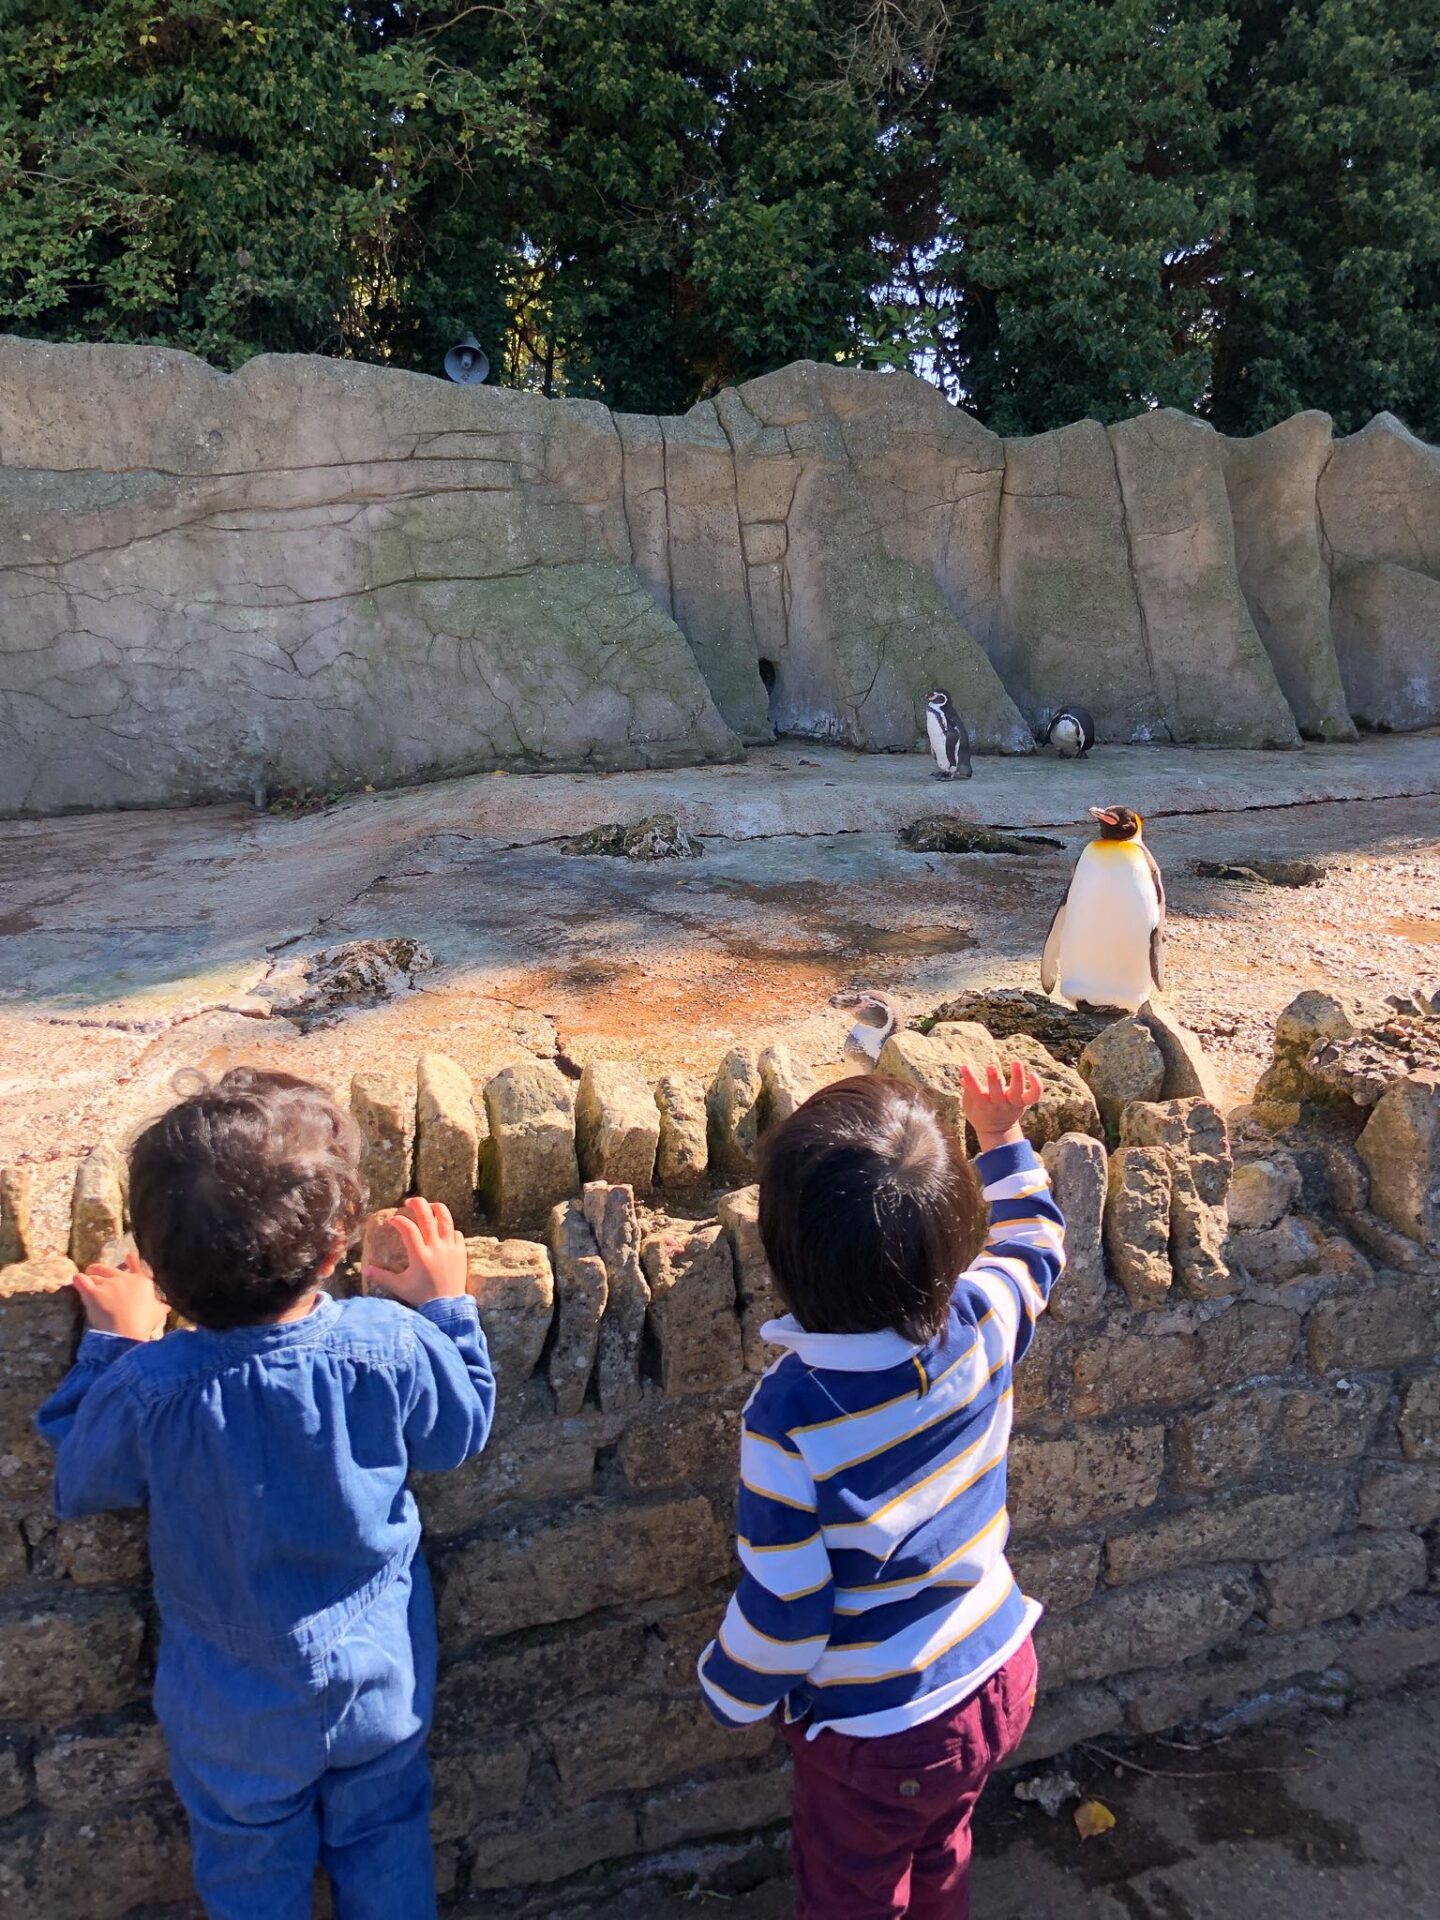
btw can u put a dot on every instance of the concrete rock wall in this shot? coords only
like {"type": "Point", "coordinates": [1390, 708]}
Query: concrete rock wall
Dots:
{"type": "Point", "coordinates": [1225, 1480]}
{"type": "Point", "coordinates": [319, 573]}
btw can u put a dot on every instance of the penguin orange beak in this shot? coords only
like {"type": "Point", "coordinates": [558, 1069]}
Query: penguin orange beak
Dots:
{"type": "Point", "coordinates": [1107, 814]}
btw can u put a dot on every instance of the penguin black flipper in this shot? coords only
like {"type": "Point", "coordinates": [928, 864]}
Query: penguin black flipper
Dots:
{"type": "Point", "coordinates": [1050, 958]}
{"type": "Point", "coordinates": [1157, 936]}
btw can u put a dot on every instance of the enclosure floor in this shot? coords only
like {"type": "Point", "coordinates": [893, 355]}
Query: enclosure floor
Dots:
{"type": "Point", "coordinates": [132, 945]}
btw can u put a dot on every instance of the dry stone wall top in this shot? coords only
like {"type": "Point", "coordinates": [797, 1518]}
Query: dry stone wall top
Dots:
{"type": "Point", "coordinates": [318, 573]}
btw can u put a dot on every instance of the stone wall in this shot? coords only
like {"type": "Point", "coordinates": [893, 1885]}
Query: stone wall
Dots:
{"type": "Point", "coordinates": [319, 573]}
{"type": "Point", "coordinates": [1225, 1480]}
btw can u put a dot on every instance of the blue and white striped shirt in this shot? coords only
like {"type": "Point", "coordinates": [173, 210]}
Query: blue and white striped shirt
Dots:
{"type": "Point", "coordinates": [875, 1591]}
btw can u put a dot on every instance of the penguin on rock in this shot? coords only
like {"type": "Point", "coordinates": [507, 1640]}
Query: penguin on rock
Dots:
{"type": "Point", "coordinates": [1106, 945]}
{"type": "Point", "coordinates": [949, 738]}
{"type": "Point", "coordinates": [1071, 731]}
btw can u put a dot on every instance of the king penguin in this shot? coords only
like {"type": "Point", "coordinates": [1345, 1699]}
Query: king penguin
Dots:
{"type": "Point", "coordinates": [948, 736]}
{"type": "Point", "coordinates": [1106, 945]}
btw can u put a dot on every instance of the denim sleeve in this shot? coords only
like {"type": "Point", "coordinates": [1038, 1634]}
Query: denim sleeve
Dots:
{"type": "Point", "coordinates": [93, 1421]}
{"type": "Point", "coordinates": [452, 1400]}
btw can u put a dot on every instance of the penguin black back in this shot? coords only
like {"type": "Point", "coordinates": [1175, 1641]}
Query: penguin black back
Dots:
{"type": "Point", "coordinates": [1071, 731]}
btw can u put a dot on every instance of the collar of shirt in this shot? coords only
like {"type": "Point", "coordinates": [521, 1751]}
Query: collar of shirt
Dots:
{"type": "Point", "coordinates": [840, 1352]}
{"type": "Point", "coordinates": [269, 1337]}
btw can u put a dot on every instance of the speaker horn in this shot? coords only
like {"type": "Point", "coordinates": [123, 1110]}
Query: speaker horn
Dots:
{"type": "Point", "coordinates": [466, 363]}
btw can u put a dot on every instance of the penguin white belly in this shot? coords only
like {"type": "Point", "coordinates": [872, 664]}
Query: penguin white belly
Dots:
{"type": "Point", "coordinates": [936, 733]}
{"type": "Point", "coordinates": [1110, 913]}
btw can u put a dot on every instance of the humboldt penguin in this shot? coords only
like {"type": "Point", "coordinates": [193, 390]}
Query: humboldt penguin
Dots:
{"type": "Point", "coordinates": [1106, 945]}
{"type": "Point", "coordinates": [949, 739]}
{"type": "Point", "coordinates": [1071, 731]}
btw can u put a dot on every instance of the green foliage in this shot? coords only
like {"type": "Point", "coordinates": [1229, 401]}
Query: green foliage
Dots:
{"type": "Point", "coordinates": [1330, 292]}
{"type": "Point", "coordinates": [1052, 207]}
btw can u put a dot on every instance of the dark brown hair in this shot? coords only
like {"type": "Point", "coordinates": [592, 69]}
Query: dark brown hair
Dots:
{"type": "Point", "coordinates": [868, 1210]}
{"type": "Point", "coordinates": [239, 1193]}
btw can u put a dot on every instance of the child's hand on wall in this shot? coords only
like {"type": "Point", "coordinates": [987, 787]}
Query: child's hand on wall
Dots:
{"type": "Point", "coordinates": [436, 1266]}
{"type": "Point", "coordinates": [122, 1300]}
{"type": "Point", "coordinates": [994, 1109]}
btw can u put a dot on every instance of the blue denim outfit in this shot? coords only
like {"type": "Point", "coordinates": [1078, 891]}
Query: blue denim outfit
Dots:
{"type": "Point", "coordinates": [296, 1671]}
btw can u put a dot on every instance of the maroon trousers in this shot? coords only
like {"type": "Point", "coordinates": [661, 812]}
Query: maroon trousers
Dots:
{"type": "Point", "coordinates": [881, 1827]}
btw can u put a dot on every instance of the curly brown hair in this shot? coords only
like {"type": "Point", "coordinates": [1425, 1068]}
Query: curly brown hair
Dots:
{"type": "Point", "coordinates": [240, 1192]}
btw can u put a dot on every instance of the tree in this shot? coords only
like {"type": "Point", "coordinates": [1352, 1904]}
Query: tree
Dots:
{"type": "Point", "coordinates": [1077, 191]}
{"type": "Point", "coordinates": [1331, 278]}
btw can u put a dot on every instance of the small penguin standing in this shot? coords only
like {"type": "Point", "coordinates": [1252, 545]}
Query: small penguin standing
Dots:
{"type": "Point", "coordinates": [949, 738]}
{"type": "Point", "coordinates": [1106, 945]}
{"type": "Point", "coordinates": [1071, 731]}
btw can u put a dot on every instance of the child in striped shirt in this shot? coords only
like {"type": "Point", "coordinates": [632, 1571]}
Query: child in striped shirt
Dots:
{"type": "Point", "coordinates": [876, 1606]}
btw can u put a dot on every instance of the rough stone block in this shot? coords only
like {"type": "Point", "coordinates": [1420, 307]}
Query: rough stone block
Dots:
{"type": "Point", "coordinates": [1191, 1129]}
{"type": "Point", "coordinates": [1066, 1105]}
{"type": "Point", "coordinates": [39, 1327]}
{"type": "Point", "coordinates": [1199, 1688]}
{"type": "Point", "coordinates": [692, 1306]}
{"type": "Point", "coordinates": [530, 1163]}
{"type": "Point", "coordinates": [17, 1234]}
{"type": "Point", "coordinates": [739, 1214]}
{"type": "Point", "coordinates": [1379, 1327]}
{"type": "Point", "coordinates": [1092, 1475]}
{"type": "Point", "coordinates": [383, 1105]}
{"type": "Point", "coordinates": [533, 1853]}
{"type": "Point", "coordinates": [1262, 1192]}
{"type": "Point", "coordinates": [1188, 1074]}
{"type": "Point", "coordinates": [1137, 1224]}
{"type": "Point", "coordinates": [447, 1137]}
{"type": "Point", "coordinates": [1116, 1371]}
{"type": "Point", "coordinates": [500, 1689]}
{"type": "Point", "coordinates": [1065, 1716]}
{"type": "Point", "coordinates": [1248, 1340]}
{"type": "Point", "coordinates": [1253, 1527]}
{"type": "Point", "coordinates": [1400, 1496]}
{"type": "Point", "coordinates": [1122, 1063]}
{"type": "Point", "coordinates": [1336, 1422]}
{"type": "Point", "coordinates": [1077, 1167]}
{"type": "Point", "coordinates": [14, 1782]}
{"type": "Point", "coordinates": [1167, 1620]}
{"type": "Point", "coordinates": [934, 1061]}
{"type": "Point", "coordinates": [513, 1285]}
{"type": "Point", "coordinates": [98, 1550]}
{"type": "Point", "coordinates": [524, 1572]}
{"type": "Point", "coordinates": [611, 1214]}
{"type": "Point", "coordinates": [1042, 1385]}
{"type": "Point", "coordinates": [580, 1292]}
{"type": "Point", "coordinates": [476, 1783]}
{"type": "Point", "coordinates": [701, 1809]}
{"type": "Point", "coordinates": [59, 1661]}
{"type": "Point", "coordinates": [97, 1206]}
{"type": "Point", "coordinates": [1293, 1249]}
{"type": "Point", "coordinates": [785, 1084]}
{"type": "Point", "coordinates": [1061, 1577]}
{"type": "Point", "coordinates": [1353, 1575]}
{"type": "Point", "coordinates": [682, 1161]}
{"type": "Point", "coordinates": [99, 1866]}
{"type": "Point", "coordinates": [76, 1772]}
{"type": "Point", "coordinates": [1395, 1642]}
{"type": "Point", "coordinates": [644, 1743]}
{"type": "Point", "coordinates": [1223, 1443]}
{"type": "Point", "coordinates": [733, 1113]}
{"type": "Point", "coordinates": [1420, 1417]}
{"type": "Point", "coordinates": [537, 1460]}
{"type": "Point", "coordinates": [1400, 1148]}
{"type": "Point", "coordinates": [677, 1443]}
{"type": "Point", "coordinates": [617, 1125]}
{"type": "Point", "coordinates": [1197, 1238]}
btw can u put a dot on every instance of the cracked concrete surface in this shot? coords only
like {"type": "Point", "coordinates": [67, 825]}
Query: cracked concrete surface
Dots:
{"type": "Point", "coordinates": [132, 945]}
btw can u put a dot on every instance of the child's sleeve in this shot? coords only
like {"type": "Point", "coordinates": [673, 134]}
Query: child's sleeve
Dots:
{"type": "Point", "coordinates": [779, 1618]}
{"type": "Point", "coordinates": [453, 1391]}
{"type": "Point", "coordinates": [1024, 1251]}
{"type": "Point", "coordinates": [93, 1421]}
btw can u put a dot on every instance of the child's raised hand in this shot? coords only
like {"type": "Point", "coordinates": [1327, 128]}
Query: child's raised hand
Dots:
{"type": "Point", "coordinates": [435, 1267]}
{"type": "Point", "coordinates": [122, 1300]}
{"type": "Point", "coordinates": [994, 1108]}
